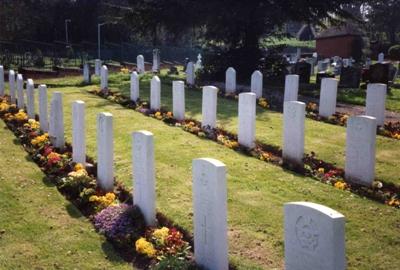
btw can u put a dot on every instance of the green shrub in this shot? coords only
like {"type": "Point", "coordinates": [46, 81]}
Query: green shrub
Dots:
{"type": "Point", "coordinates": [394, 52]}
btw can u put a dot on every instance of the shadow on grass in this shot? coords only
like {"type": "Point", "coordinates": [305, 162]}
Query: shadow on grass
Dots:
{"type": "Point", "coordinates": [73, 211]}
{"type": "Point", "coordinates": [110, 252]}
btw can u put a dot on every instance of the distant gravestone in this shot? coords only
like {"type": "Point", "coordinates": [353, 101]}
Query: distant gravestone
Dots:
{"type": "Point", "coordinates": [105, 152]}
{"type": "Point", "coordinates": [257, 83]}
{"type": "Point", "coordinates": [140, 64]}
{"type": "Point", "coordinates": [375, 102]}
{"type": "Point", "coordinates": [178, 100]}
{"type": "Point", "coordinates": [303, 69]}
{"type": "Point", "coordinates": [86, 73]}
{"type": "Point", "coordinates": [2, 85]}
{"type": "Point", "coordinates": [56, 126]}
{"type": "Point", "coordinates": [199, 63]}
{"type": "Point", "coordinates": [144, 182]}
{"type": "Point", "coordinates": [20, 92]}
{"type": "Point", "coordinates": [314, 237]}
{"type": "Point", "coordinates": [247, 119]}
{"type": "Point", "coordinates": [321, 75]}
{"type": "Point", "coordinates": [210, 214]}
{"type": "Point", "coordinates": [311, 61]}
{"type": "Point", "coordinates": [350, 77]}
{"type": "Point", "coordinates": [381, 58]}
{"type": "Point", "coordinates": [291, 88]}
{"type": "Point", "coordinates": [134, 93]}
{"type": "Point", "coordinates": [30, 97]}
{"type": "Point", "coordinates": [11, 84]}
{"type": "Point", "coordinates": [230, 80]}
{"type": "Point", "coordinates": [190, 73]}
{"type": "Point", "coordinates": [43, 115]}
{"type": "Point", "coordinates": [156, 60]}
{"type": "Point", "coordinates": [360, 149]}
{"type": "Point", "coordinates": [379, 73]}
{"type": "Point", "coordinates": [209, 106]}
{"type": "Point", "coordinates": [78, 132]}
{"type": "Point", "coordinates": [323, 66]}
{"type": "Point", "coordinates": [293, 132]}
{"type": "Point", "coordinates": [104, 78]}
{"type": "Point", "coordinates": [327, 101]}
{"type": "Point", "coordinates": [97, 67]}
{"type": "Point", "coordinates": [155, 93]}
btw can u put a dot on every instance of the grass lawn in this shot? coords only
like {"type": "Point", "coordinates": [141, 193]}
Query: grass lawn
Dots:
{"type": "Point", "coordinates": [256, 190]}
{"type": "Point", "coordinates": [327, 140]}
{"type": "Point", "coordinates": [39, 229]}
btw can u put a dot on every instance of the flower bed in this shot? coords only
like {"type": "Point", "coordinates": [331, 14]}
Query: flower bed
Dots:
{"type": "Point", "coordinates": [320, 170]}
{"type": "Point", "coordinates": [112, 213]}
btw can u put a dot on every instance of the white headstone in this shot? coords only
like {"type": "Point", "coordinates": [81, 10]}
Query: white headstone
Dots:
{"type": "Point", "coordinates": [190, 77]}
{"type": "Point", "coordinates": [104, 78]}
{"type": "Point", "coordinates": [360, 149]}
{"type": "Point", "coordinates": [140, 64]}
{"type": "Point", "coordinates": [2, 90]}
{"type": "Point", "coordinates": [30, 94]}
{"type": "Point", "coordinates": [105, 151]}
{"type": "Point", "coordinates": [11, 84]}
{"type": "Point", "coordinates": [20, 92]}
{"type": "Point", "coordinates": [155, 93]}
{"type": "Point", "coordinates": [230, 80]}
{"type": "Point", "coordinates": [314, 237]}
{"type": "Point", "coordinates": [134, 86]}
{"type": "Point", "coordinates": [293, 132]}
{"type": "Point", "coordinates": [78, 132]}
{"type": "Point", "coordinates": [199, 64]}
{"type": "Point", "coordinates": [376, 102]}
{"type": "Point", "coordinates": [210, 214]}
{"type": "Point", "coordinates": [381, 57]}
{"type": "Point", "coordinates": [43, 116]}
{"type": "Point", "coordinates": [209, 106]}
{"type": "Point", "coordinates": [291, 88]}
{"type": "Point", "coordinates": [327, 101]}
{"type": "Point", "coordinates": [178, 100]}
{"type": "Point", "coordinates": [144, 182]}
{"type": "Point", "coordinates": [247, 119]}
{"type": "Point", "coordinates": [97, 67]}
{"type": "Point", "coordinates": [56, 126]}
{"type": "Point", "coordinates": [156, 60]}
{"type": "Point", "coordinates": [86, 73]}
{"type": "Point", "coordinates": [257, 83]}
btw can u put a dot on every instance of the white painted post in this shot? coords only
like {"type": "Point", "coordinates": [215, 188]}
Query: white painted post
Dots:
{"type": "Point", "coordinates": [144, 181]}
{"type": "Point", "coordinates": [190, 77]}
{"type": "Point", "coordinates": [134, 93]}
{"type": "Point", "coordinates": [97, 67]}
{"type": "Point", "coordinates": [327, 101]}
{"type": "Point", "coordinates": [293, 132]}
{"type": "Point", "coordinates": [209, 106]}
{"type": "Point", "coordinates": [230, 80]}
{"type": "Point", "coordinates": [56, 127]}
{"type": "Point", "coordinates": [155, 93]}
{"type": "Point", "coordinates": [210, 214]}
{"type": "Point", "coordinates": [291, 88]}
{"type": "Point", "coordinates": [314, 237]}
{"type": "Point", "coordinates": [11, 84]}
{"type": "Point", "coordinates": [247, 119]}
{"type": "Point", "coordinates": [105, 151]}
{"type": "Point", "coordinates": [178, 100]}
{"type": "Point", "coordinates": [43, 116]}
{"type": "Point", "coordinates": [360, 149]}
{"type": "Point", "coordinates": [20, 92]}
{"type": "Point", "coordinates": [2, 90]}
{"type": "Point", "coordinates": [140, 64]}
{"type": "Point", "coordinates": [78, 132]}
{"type": "Point", "coordinates": [376, 102]}
{"type": "Point", "coordinates": [257, 83]}
{"type": "Point", "coordinates": [30, 94]}
{"type": "Point", "coordinates": [104, 78]}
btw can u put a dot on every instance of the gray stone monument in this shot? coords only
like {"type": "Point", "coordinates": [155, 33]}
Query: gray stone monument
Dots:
{"type": "Point", "coordinates": [293, 132]}
{"type": "Point", "coordinates": [327, 101]}
{"type": "Point", "coordinates": [43, 116]}
{"type": "Point", "coordinates": [105, 151]}
{"type": "Point", "coordinates": [178, 100]}
{"type": "Point", "coordinates": [257, 83]}
{"type": "Point", "coordinates": [2, 90]}
{"type": "Point", "coordinates": [78, 132]}
{"type": "Point", "coordinates": [140, 64]}
{"type": "Point", "coordinates": [247, 119]}
{"type": "Point", "coordinates": [190, 76]}
{"type": "Point", "coordinates": [11, 84]}
{"type": "Point", "coordinates": [97, 67]}
{"type": "Point", "coordinates": [104, 78]}
{"type": "Point", "coordinates": [156, 60]}
{"type": "Point", "coordinates": [381, 58]}
{"type": "Point", "coordinates": [20, 92]}
{"type": "Point", "coordinates": [134, 86]}
{"type": "Point", "coordinates": [56, 126]}
{"type": "Point", "coordinates": [86, 73]}
{"type": "Point", "coordinates": [291, 88]}
{"type": "Point", "coordinates": [375, 102]}
{"type": "Point", "coordinates": [230, 80]}
{"type": "Point", "coordinates": [155, 93]}
{"type": "Point", "coordinates": [209, 106]}
{"type": "Point", "coordinates": [30, 97]}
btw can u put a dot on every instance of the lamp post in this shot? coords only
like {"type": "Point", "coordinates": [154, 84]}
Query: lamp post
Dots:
{"type": "Point", "coordinates": [66, 30]}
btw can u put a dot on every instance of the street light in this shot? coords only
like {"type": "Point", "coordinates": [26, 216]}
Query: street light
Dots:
{"type": "Point", "coordinates": [66, 30]}
{"type": "Point", "coordinates": [99, 25]}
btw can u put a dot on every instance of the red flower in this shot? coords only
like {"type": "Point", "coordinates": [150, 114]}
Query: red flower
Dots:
{"type": "Point", "coordinates": [47, 150]}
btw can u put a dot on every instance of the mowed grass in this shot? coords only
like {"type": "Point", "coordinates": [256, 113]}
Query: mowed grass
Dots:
{"type": "Point", "coordinates": [39, 229]}
{"type": "Point", "coordinates": [328, 141]}
{"type": "Point", "coordinates": [257, 190]}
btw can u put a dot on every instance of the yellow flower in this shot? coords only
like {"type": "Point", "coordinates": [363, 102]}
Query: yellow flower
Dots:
{"type": "Point", "coordinates": [161, 234]}
{"type": "Point", "coordinates": [4, 107]}
{"type": "Point", "coordinates": [340, 185]}
{"type": "Point", "coordinates": [265, 156]}
{"type": "Point", "coordinates": [157, 114]}
{"type": "Point", "coordinates": [263, 102]}
{"type": "Point", "coordinates": [78, 167]}
{"type": "Point", "coordinates": [78, 173]}
{"type": "Point", "coordinates": [21, 116]}
{"type": "Point", "coordinates": [124, 70]}
{"type": "Point", "coordinates": [103, 201]}
{"type": "Point", "coordinates": [169, 114]}
{"type": "Point", "coordinates": [394, 202]}
{"type": "Point", "coordinates": [321, 170]}
{"type": "Point", "coordinates": [33, 124]}
{"type": "Point", "coordinates": [145, 247]}
{"type": "Point", "coordinates": [344, 118]}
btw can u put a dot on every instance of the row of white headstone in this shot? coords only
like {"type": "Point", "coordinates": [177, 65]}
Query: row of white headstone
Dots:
{"type": "Point", "coordinates": [314, 234]}
{"type": "Point", "coordinates": [361, 130]}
